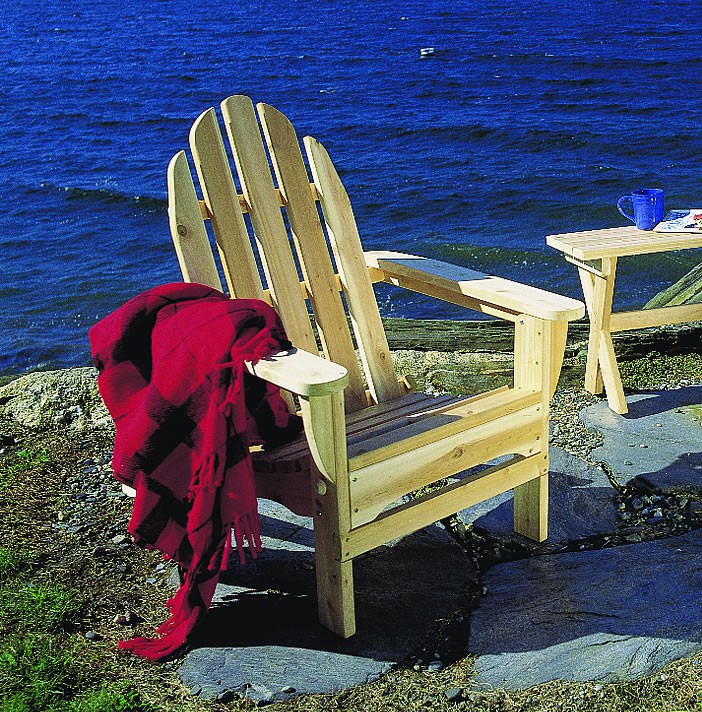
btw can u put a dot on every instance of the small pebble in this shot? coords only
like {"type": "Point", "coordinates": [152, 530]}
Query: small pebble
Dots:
{"type": "Point", "coordinates": [454, 694]}
{"type": "Point", "coordinates": [126, 618]}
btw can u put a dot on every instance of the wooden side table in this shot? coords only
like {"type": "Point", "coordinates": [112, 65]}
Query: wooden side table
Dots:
{"type": "Point", "coordinates": [595, 254]}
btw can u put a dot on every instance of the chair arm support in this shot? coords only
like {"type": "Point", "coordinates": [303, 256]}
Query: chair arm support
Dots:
{"type": "Point", "coordinates": [301, 373]}
{"type": "Point", "coordinates": [467, 287]}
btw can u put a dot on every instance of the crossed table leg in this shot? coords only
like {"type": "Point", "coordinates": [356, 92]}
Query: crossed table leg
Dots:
{"type": "Point", "coordinates": [601, 370]}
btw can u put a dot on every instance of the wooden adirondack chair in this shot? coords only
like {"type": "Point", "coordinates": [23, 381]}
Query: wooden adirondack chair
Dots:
{"type": "Point", "coordinates": [369, 442]}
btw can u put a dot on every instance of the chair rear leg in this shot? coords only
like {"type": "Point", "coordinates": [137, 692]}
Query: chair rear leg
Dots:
{"type": "Point", "coordinates": [531, 508]}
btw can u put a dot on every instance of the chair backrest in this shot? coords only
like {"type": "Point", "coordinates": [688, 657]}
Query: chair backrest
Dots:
{"type": "Point", "coordinates": [274, 243]}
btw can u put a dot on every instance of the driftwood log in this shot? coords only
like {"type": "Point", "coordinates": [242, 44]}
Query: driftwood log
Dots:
{"type": "Point", "coordinates": [492, 337]}
{"type": "Point", "coordinates": [467, 356]}
{"type": "Point", "coordinates": [687, 290]}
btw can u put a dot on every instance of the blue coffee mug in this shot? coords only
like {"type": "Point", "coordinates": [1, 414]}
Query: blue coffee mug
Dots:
{"type": "Point", "coordinates": [647, 204]}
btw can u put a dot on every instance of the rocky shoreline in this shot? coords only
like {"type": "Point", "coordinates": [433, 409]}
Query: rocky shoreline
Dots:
{"type": "Point", "coordinates": [92, 514]}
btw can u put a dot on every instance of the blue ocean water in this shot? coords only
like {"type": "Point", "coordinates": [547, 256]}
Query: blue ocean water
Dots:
{"type": "Point", "coordinates": [530, 118]}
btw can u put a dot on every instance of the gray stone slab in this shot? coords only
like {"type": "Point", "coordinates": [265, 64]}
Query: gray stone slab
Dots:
{"type": "Point", "coordinates": [272, 673]}
{"type": "Point", "coordinates": [582, 503]}
{"type": "Point", "coordinates": [593, 615]}
{"type": "Point", "coordinates": [606, 615]}
{"type": "Point", "coordinates": [658, 443]}
{"type": "Point", "coordinates": [261, 636]}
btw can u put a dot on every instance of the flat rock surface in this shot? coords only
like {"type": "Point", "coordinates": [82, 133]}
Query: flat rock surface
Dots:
{"type": "Point", "coordinates": [47, 399]}
{"type": "Point", "coordinates": [606, 615]}
{"type": "Point", "coordinates": [657, 443]}
{"type": "Point", "coordinates": [582, 503]}
{"type": "Point", "coordinates": [262, 637]}
{"type": "Point", "coordinates": [270, 673]}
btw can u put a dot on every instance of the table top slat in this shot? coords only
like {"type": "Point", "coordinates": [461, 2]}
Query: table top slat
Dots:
{"type": "Point", "coordinates": [620, 242]}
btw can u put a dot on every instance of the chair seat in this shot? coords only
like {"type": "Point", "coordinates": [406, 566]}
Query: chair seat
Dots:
{"type": "Point", "coordinates": [405, 444]}
{"type": "Point", "coordinates": [367, 425]}
{"type": "Point", "coordinates": [284, 474]}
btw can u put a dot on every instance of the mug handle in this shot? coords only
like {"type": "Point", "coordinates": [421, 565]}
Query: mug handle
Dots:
{"type": "Point", "coordinates": [622, 211]}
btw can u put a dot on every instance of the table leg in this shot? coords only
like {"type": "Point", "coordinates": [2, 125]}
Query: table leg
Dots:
{"type": "Point", "coordinates": [601, 369]}
{"type": "Point", "coordinates": [593, 375]}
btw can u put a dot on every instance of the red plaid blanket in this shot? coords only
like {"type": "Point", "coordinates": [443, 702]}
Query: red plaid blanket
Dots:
{"type": "Point", "coordinates": [171, 373]}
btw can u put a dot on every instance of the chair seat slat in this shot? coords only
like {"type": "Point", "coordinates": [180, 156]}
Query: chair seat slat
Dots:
{"type": "Point", "coordinates": [369, 425]}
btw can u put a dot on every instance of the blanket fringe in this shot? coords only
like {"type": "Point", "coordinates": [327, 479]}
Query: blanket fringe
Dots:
{"type": "Point", "coordinates": [189, 604]}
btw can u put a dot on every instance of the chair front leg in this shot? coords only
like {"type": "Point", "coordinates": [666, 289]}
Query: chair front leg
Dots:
{"type": "Point", "coordinates": [539, 346]}
{"type": "Point", "coordinates": [326, 433]}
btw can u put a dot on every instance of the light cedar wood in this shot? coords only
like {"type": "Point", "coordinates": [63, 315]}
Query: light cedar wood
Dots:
{"type": "Point", "coordinates": [368, 444]}
{"type": "Point", "coordinates": [355, 281]}
{"type": "Point", "coordinates": [190, 239]}
{"type": "Point", "coordinates": [310, 242]}
{"type": "Point", "coordinates": [267, 220]}
{"type": "Point", "coordinates": [375, 487]}
{"type": "Point", "coordinates": [646, 318]}
{"type": "Point", "coordinates": [620, 242]}
{"type": "Point", "coordinates": [474, 288]}
{"type": "Point", "coordinates": [439, 504]}
{"type": "Point", "coordinates": [222, 205]}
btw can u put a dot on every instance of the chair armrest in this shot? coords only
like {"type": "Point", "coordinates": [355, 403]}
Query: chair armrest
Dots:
{"type": "Point", "coordinates": [301, 373]}
{"type": "Point", "coordinates": [475, 290]}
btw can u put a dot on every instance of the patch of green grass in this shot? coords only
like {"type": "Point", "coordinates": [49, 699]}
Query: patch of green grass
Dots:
{"type": "Point", "coordinates": [22, 461]}
{"type": "Point", "coordinates": [25, 460]}
{"type": "Point", "coordinates": [37, 673]}
{"type": "Point", "coordinates": [44, 607]}
{"type": "Point", "coordinates": [15, 563]}
{"type": "Point", "coordinates": [15, 703]}
{"type": "Point", "coordinates": [41, 666]}
{"type": "Point", "coordinates": [41, 672]}
{"type": "Point", "coordinates": [118, 697]}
